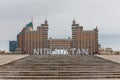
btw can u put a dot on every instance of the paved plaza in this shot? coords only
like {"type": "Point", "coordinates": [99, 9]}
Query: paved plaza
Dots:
{"type": "Point", "coordinates": [114, 58]}
{"type": "Point", "coordinates": [4, 59]}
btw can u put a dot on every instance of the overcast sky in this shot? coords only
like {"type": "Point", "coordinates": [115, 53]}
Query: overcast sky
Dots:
{"type": "Point", "coordinates": [105, 14]}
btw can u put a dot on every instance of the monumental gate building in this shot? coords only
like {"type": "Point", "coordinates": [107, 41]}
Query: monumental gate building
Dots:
{"type": "Point", "coordinates": [29, 39]}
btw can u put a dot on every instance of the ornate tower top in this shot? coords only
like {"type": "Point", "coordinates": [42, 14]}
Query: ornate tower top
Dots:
{"type": "Point", "coordinates": [74, 24]}
{"type": "Point", "coordinates": [46, 22]}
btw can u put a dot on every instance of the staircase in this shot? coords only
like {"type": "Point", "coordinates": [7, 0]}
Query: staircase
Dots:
{"type": "Point", "coordinates": [60, 67]}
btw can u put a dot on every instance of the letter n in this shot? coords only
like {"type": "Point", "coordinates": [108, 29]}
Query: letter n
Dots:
{"type": "Point", "coordinates": [36, 51]}
{"type": "Point", "coordinates": [84, 51]}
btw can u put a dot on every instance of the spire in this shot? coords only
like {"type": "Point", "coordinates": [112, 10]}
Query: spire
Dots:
{"type": "Point", "coordinates": [32, 19]}
{"type": "Point", "coordinates": [74, 22]}
{"type": "Point", "coordinates": [46, 22]}
{"type": "Point", "coordinates": [29, 26]}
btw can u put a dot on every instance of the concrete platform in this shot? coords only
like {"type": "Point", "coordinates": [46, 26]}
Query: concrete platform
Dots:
{"type": "Point", "coordinates": [4, 59]}
{"type": "Point", "coordinates": [114, 58]}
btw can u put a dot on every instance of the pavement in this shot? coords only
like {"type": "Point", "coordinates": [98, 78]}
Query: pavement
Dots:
{"type": "Point", "coordinates": [4, 59]}
{"type": "Point", "coordinates": [114, 58]}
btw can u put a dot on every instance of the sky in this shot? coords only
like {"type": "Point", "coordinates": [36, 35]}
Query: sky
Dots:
{"type": "Point", "coordinates": [105, 14]}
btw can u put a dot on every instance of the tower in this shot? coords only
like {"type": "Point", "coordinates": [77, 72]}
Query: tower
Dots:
{"type": "Point", "coordinates": [30, 39]}
{"type": "Point", "coordinates": [96, 39]}
{"type": "Point", "coordinates": [84, 39]}
{"type": "Point", "coordinates": [43, 35]}
{"type": "Point", "coordinates": [76, 34]}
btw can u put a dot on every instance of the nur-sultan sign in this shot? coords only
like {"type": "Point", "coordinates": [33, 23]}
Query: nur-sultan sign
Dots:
{"type": "Point", "coordinates": [60, 51]}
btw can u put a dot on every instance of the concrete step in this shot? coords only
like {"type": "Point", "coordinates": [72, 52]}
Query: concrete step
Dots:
{"type": "Point", "coordinates": [58, 66]}
{"type": "Point", "coordinates": [66, 64]}
{"type": "Point", "coordinates": [56, 73]}
{"type": "Point", "coordinates": [51, 68]}
{"type": "Point", "coordinates": [59, 77]}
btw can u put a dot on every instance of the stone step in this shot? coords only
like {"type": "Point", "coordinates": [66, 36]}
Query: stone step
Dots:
{"type": "Point", "coordinates": [59, 77]}
{"type": "Point", "coordinates": [56, 67]}
{"type": "Point", "coordinates": [67, 64]}
{"type": "Point", "coordinates": [63, 68]}
{"type": "Point", "coordinates": [51, 67]}
{"type": "Point", "coordinates": [55, 73]}
{"type": "Point", "coordinates": [64, 71]}
{"type": "Point", "coordinates": [69, 60]}
{"type": "Point", "coordinates": [71, 66]}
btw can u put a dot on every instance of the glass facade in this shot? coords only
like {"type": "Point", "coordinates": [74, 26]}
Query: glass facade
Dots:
{"type": "Point", "coordinates": [12, 46]}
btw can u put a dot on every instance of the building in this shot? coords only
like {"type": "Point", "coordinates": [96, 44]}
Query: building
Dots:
{"type": "Point", "coordinates": [29, 39]}
{"type": "Point", "coordinates": [108, 51]}
{"type": "Point", "coordinates": [59, 43]}
{"type": "Point", "coordinates": [84, 38]}
{"type": "Point", "coordinates": [12, 46]}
